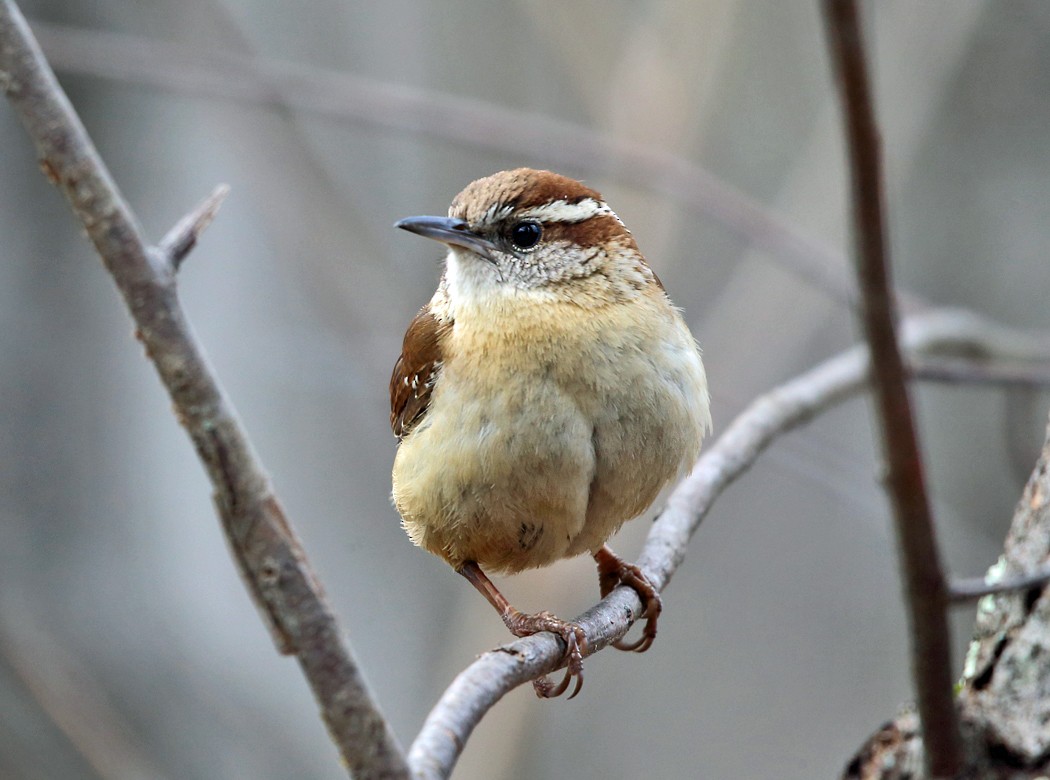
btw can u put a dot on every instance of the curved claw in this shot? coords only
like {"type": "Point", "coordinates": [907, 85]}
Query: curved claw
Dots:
{"type": "Point", "coordinates": [613, 572]}
{"type": "Point", "coordinates": [574, 640]}
{"type": "Point", "coordinates": [640, 645]}
{"type": "Point", "coordinates": [545, 689]}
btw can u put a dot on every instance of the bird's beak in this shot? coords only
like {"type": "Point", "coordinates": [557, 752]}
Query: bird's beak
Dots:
{"type": "Point", "coordinates": [451, 231]}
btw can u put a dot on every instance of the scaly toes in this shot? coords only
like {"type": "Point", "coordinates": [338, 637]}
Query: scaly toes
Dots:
{"type": "Point", "coordinates": [521, 624]}
{"type": "Point", "coordinates": [575, 643]}
{"type": "Point", "coordinates": [612, 571]}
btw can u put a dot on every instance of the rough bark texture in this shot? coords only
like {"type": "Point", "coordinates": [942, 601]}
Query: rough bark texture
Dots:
{"type": "Point", "coordinates": [264, 545]}
{"type": "Point", "coordinates": [1006, 680]}
{"type": "Point", "coordinates": [1004, 696]}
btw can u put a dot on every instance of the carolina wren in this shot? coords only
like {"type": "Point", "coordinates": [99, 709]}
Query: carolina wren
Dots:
{"type": "Point", "coordinates": [544, 396]}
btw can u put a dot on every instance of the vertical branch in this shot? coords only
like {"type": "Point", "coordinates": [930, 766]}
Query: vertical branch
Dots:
{"type": "Point", "coordinates": [264, 544]}
{"type": "Point", "coordinates": [925, 590]}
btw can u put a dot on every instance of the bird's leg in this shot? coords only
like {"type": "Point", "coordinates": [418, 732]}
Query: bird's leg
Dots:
{"type": "Point", "coordinates": [613, 572]}
{"type": "Point", "coordinates": [521, 624]}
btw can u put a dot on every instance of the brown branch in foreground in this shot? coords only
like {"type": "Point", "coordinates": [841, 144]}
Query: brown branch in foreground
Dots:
{"type": "Point", "coordinates": [481, 685]}
{"type": "Point", "coordinates": [925, 590]}
{"type": "Point", "coordinates": [267, 551]}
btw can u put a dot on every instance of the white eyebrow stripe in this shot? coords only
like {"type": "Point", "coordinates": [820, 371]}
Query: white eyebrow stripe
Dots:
{"type": "Point", "coordinates": [563, 211]}
{"type": "Point", "coordinates": [495, 213]}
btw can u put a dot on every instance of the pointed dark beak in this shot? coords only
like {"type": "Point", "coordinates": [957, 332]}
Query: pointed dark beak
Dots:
{"type": "Point", "coordinates": [451, 231]}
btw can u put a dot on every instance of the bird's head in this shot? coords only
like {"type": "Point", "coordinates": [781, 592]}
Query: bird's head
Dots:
{"type": "Point", "coordinates": [530, 230]}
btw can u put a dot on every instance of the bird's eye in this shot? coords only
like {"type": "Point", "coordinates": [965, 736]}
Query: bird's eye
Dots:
{"type": "Point", "coordinates": [526, 235]}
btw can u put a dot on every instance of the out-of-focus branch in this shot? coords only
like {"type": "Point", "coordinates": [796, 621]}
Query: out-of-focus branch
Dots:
{"type": "Point", "coordinates": [450, 118]}
{"type": "Point", "coordinates": [925, 590]}
{"type": "Point", "coordinates": [481, 685]}
{"type": "Point", "coordinates": [969, 371]}
{"type": "Point", "coordinates": [68, 696]}
{"type": "Point", "coordinates": [972, 588]}
{"type": "Point", "coordinates": [1001, 357]}
{"type": "Point", "coordinates": [269, 555]}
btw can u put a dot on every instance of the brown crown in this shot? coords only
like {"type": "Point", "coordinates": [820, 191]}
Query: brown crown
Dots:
{"type": "Point", "coordinates": [521, 188]}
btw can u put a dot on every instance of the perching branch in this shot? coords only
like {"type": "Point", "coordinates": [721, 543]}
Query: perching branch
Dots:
{"type": "Point", "coordinates": [483, 683]}
{"type": "Point", "coordinates": [264, 545]}
{"type": "Point", "coordinates": [925, 590]}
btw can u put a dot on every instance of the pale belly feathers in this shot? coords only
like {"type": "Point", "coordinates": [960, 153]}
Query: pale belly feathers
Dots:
{"type": "Point", "coordinates": [516, 475]}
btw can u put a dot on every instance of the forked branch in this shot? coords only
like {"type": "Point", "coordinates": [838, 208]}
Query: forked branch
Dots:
{"type": "Point", "coordinates": [266, 549]}
{"type": "Point", "coordinates": [180, 240]}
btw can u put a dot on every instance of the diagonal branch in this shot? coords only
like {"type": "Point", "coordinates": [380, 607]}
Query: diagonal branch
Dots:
{"type": "Point", "coordinates": [266, 549]}
{"type": "Point", "coordinates": [478, 688]}
{"type": "Point", "coordinates": [925, 590]}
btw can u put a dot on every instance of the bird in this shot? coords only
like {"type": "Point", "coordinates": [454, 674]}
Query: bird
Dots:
{"type": "Point", "coordinates": [543, 397]}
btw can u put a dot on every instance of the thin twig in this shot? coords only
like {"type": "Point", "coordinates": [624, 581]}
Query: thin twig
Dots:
{"type": "Point", "coordinates": [481, 685]}
{"type": "Point", "coordinates": [180, 240]}
{"type": "Point", "coordinates": [956, 370]}
{"type": "Point", "coordinates": [925, 590]}
{"type": "Point", "coordinates": [972, 588]}
{"type": "Point", "coordinates": [265, 547]}
{"type": "Point", "coordinates": [456, 119]}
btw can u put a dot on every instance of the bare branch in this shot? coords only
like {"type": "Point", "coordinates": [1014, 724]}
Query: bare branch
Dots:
{"type": "Point", "coordinates": [997, 356]}
{"type": "Point", "coordinates": [481, 685]}
{"type": "Point", "coordinates": [267, 551]}
{"type": "Point", "coordinates": [180, 240]}
{"type": "Point", "coordinates": [979, 371]}
{"type": "Point", "coordinates": [456, 119]}
{"type": "Point", "coordinates": [925, 591]}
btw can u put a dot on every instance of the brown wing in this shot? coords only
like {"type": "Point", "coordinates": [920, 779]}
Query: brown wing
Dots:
{"type": "Point", "coordinates": [415, 371]}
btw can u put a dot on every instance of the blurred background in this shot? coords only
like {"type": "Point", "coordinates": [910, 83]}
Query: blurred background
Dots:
{"type": "Point", "coordinates": [128, 646]}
